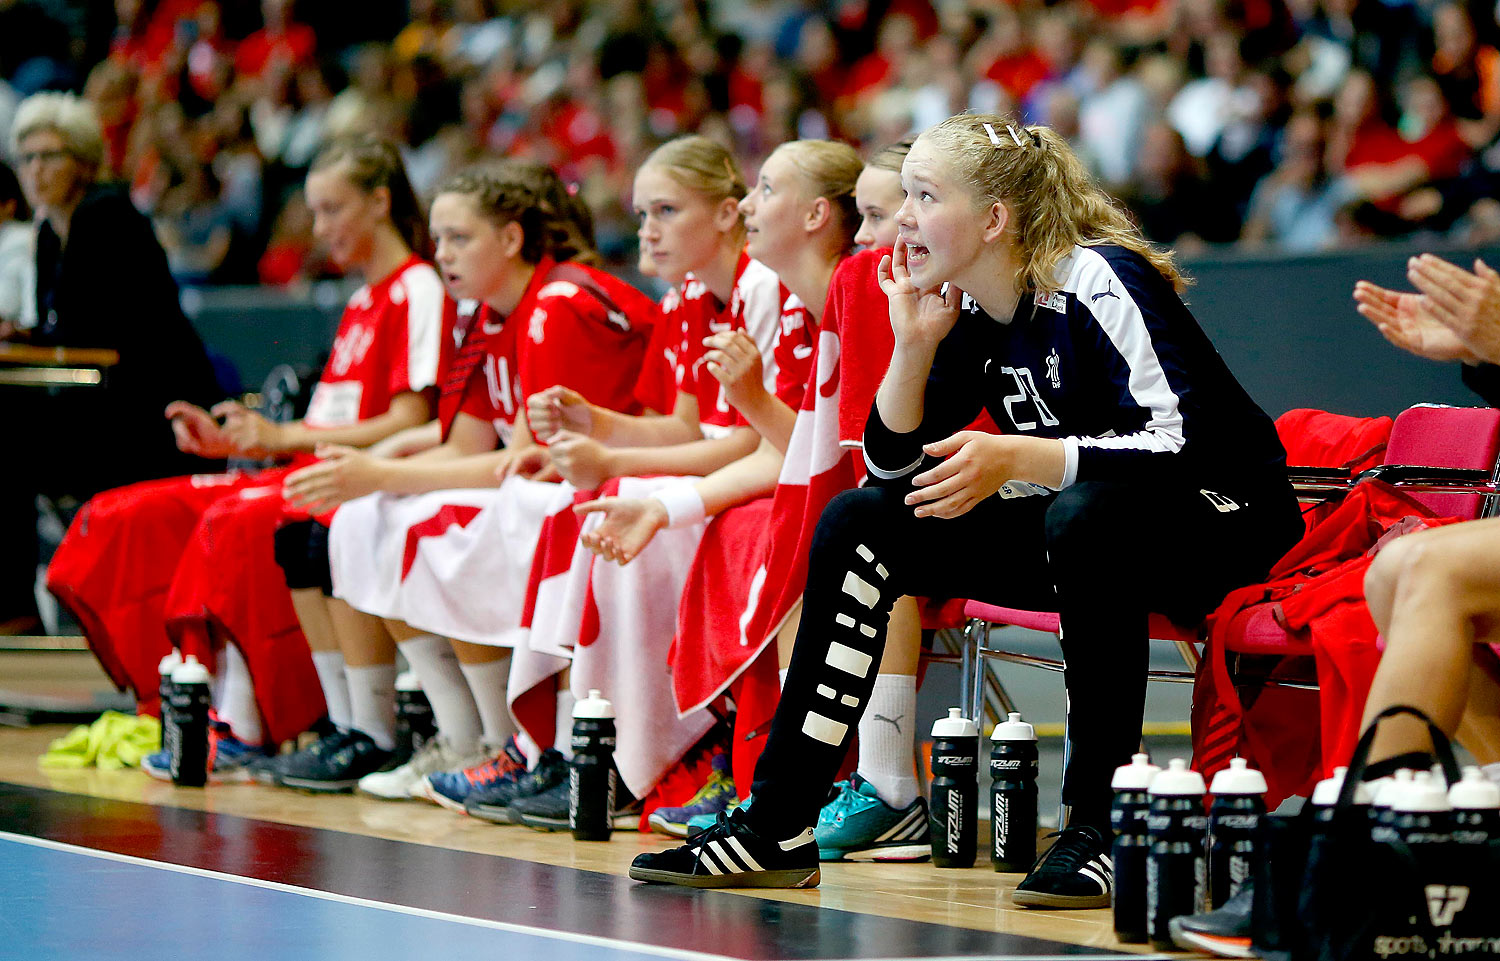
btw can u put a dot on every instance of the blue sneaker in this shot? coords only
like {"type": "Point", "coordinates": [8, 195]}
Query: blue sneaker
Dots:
{"type": "Point", "coordinates": [452, 788]}
{"type": "Point", "coordinates": [858, 826]}
{"type": "Point", "coordinates": [716, 795]}
{"type": "Point", "coordinates": [702, 822]}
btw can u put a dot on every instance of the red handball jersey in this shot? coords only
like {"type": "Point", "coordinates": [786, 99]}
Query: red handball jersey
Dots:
{"type": "Point", "coordinates": [481, 381]}
{"type": "Point", "coordinates": [584, 329]}
{"type": "Point", "coordinates": [755, 307]}
{"type": "Point", "coordinates": [656, 390]}
{"type": "Point", "coordinates": [795, 341]}
{"type": "Point", "coordinates": [392, 339]}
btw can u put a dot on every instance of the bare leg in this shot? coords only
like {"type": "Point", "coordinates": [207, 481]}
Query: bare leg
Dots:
{"type": "Point", "coordinates": [370, 666]}
{"type": "Point", "coordinates": [311, 605]}
{"type": "Point", "coordinates": [1479, 729]}
{"type": "Point", "coordinates": [1446, 582]}
{"type": "Point", "coordinates": [362, 637]}
{"type": "Point", "coordinates": [787, 636]}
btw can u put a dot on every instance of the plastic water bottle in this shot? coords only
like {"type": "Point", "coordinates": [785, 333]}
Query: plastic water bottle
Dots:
{"type": "Point", "coordinates": [954, 804]}
{"type": "Point", "coordinates": [1475, 801]}
{"type": "Point", "coordinates": [1013, 768]}
{"type": "Point", "coordinates": [1382, 808]}
{"type": "Point", "coordinates": [1239, 803]}
{"type": "Point", "coordinates": [1420, 812]}
{"type": "Point", "coordinates": [190, 704]}
{"type": "Point", "coordinates": [1325, 799]}
{"type": "Point", "coordinates": [1131, 847]}
{"type": "Point", "coordinates": [164, 669]}
{"type": "Point", "coordinates": [415, 724]}
{"type": "Point", "coordinates": [591, 773]}
{"type": "Point", "coordinates": [1176, 872]}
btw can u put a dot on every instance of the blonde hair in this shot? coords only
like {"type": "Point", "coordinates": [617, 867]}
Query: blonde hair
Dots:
{"type": "Point", "coordinates": [703, 166]}
{"type": "Point", "coordinates": [1053, 201]}
{"type": "Point", "coordinates": [554, 221]}
{"type": "Point", "coordinates": [370, 162]}
{"type": "Point", "coordinates": [891, 156]}
{"type": "Point", "coordinates": [70, 117]}
{"type": "Point", "coordinates": [829, 169]}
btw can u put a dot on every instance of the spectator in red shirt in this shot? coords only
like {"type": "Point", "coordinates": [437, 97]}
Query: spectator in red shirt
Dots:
{"type": "Point", "coordinates": [279, 39]}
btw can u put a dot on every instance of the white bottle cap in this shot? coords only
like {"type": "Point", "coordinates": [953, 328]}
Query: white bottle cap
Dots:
{"type": "Point", "coordinates": [169, 663]}
{"type": "Point", "coordinates": [1177, 780]}
{"type": "Point", "coordinates": [594, 707]}
{"type": "Point", "coordinates": [1326, 794]}
{"type": "Point", "coordinates": [408, 681]}
{"type": "Point", "coordinates": [190, 672]}
{"type": "Point", "coordinates": [1238, 778]}
{"type": "Point", "coordinates": [1424, 794]}
{"type": "Point", "coordinates": [1474, 792]}
{"type": "Point", "coordinates": [1013, 729]}
{"type": "Point", "coordinates": [954, 725]}
{"type": "Point", "coordinates": [1135, 776]}
{"type": "Point", "coordinates": [1388, 789]}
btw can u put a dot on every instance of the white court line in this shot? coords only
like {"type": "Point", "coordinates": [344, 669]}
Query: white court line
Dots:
{"type": "Point", "coordinates": [589, 939]}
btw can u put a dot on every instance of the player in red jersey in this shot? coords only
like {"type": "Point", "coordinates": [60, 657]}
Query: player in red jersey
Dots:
{"type": "Point", "coordinates": [118, 562]}
{"type": "Point", "coordinates": [511, 237]}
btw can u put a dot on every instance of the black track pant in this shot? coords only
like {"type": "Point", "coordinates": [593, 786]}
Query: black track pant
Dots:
{"type": "Point", "coordinates": [1104, 555]}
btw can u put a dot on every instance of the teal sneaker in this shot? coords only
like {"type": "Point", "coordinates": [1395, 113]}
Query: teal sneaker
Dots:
{"type": "Point", "coordinates": [703, 822]}
{"type": "Point", "coordinates": [858, 826]}
{"type": "Point", "coordinates": [716, 795]}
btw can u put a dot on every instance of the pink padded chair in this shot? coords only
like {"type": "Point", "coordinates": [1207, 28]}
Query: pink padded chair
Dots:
{"type": "Point", "coordinates": [1446, 457]}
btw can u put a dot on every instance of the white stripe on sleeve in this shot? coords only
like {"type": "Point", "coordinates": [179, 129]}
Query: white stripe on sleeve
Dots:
{"type": "Point", "coordinates": [424, 325]}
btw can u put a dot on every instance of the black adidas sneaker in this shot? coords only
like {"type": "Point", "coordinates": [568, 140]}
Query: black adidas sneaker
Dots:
{"type": "Point", "coordinates": [1076, 872]}
{"type": "Point", "coordinates": [730, 855]}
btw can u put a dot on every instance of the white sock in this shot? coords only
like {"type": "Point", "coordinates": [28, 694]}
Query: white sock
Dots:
{"type": "Point", "coordinates": [887, 755]}
{"type": "Point", "coordinates": [782, 675]}
{"type": "Point", "coordinates": [1492, 771]}
{"type": "Point", "coordinates": [436, 666]}
{"type": "Point", "coordinates": [236, 706]}
{"type": "Point", "coordinates": [487, 685]}
{"type": "Point", "coordinates": [372, 702]}
{"type": "Point", "coordinates": [330, 668]}
{"type": "Point", "coordinates": [564, 739]}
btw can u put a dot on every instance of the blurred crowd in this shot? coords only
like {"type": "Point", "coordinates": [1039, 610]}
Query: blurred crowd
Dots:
{"type": "Point", "coordinates": [1299, 125]}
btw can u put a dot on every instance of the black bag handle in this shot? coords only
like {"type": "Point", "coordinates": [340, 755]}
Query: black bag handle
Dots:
{"type": "Point", "coordinates": [1360, 759]}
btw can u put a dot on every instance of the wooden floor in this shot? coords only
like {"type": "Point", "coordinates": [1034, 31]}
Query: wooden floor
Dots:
{"type": "Point", "coordinates": [976, 899]}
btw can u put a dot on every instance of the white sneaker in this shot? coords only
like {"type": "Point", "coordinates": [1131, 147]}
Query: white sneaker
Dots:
{"type": "Point", "coordinates": [401, 783]}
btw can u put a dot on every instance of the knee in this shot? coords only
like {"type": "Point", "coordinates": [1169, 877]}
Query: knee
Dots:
{"type": "Point", "coordinates": [1385, 573]}
{"type": "Point", "coordinates": [1079, 519]}
{"type": "Point", "coordinates": [859, 512]}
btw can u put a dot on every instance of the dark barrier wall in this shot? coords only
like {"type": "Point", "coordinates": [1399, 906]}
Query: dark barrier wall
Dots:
{"type": "Point", "coordinates": [1287, 327]}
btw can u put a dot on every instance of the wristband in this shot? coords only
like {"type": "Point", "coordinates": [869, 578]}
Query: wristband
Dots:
{"type": "Point", "coordinates": [683, 503]}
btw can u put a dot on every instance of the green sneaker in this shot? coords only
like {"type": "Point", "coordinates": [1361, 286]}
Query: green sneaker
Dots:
{"type": "Point", "coordinates": [858, 826]}
{"type": "Point", "coordinates": [703, 822]}
{"type": "Point", "coordinates": [716, 795]}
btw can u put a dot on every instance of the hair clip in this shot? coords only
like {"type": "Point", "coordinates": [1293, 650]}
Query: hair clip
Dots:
{"type": "Point", "coordinates": [1012, 131]}
{"type": "Point", "coordinates": [994, 137]}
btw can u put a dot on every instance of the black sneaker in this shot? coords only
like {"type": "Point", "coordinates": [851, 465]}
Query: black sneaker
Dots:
{"type": "Point", "coordinates": [548, 811]}
{"type": "Point", "coordinates": [1224, 933]}
{"type": "Point", "coordinates": [730, 855]}
{"type": "Point", "coordinates": [493, 802]}
{"type": "Point", "coordinates": [1076, 872]}
{"type": "Point", "coordinates": [334, 763]}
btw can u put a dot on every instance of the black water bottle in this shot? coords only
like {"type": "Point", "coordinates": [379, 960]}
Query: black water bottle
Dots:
{"type": "Point", "coordinates": [1013, 768]}
{"type": "Point", "coordinates": [1475, 801]}
{"type": "Point", "coordinates": [954, 804]}
{"type": "Point", "coordinates": [1239, 803]}
{"type": "Point", "coordinates": [1176, 870]}
{"type": "Point", "coordinates": [1420, 814]}
{"type": "Point", "coordinates": [1325, 799]}
{"type": "Point", "coordinates": [591, 773]}
{"type": "Point", "coordinates": [190, 704]}
{"type": "Point", "coordinates": [415, 723]}
{"type": "Point", "coordinates": [164, 669]}
{"type": "Point", "coordinates": [1127, 815]}
{"type": "Point", "coordinates": [1383, 807]}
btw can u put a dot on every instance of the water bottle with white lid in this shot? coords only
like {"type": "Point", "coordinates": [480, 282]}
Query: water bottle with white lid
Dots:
{"type": "Point", "coordinates": [1420, 811]}
{"type": "Point", "coordinates": [1325, 799]}
{"type": "Point", "coordinates": [191, 701]}
{"type": "Point", "coordinates": [592, 779]}
{"type": "Point", "coordinates": [954, 799]}
{"type": "Point", "coordinates": [1475, 801]}
{"type": "Point", "coordinates": [1177, 871]}
{"type": "Point", "coordinates": [1239, 803]}
{"type": "Point", "coordinates": [1132, 845]}
{"type": "Point", "coordinates": [1382, 807]}
{"type": "Point", "coordinates": [164, 669]}
{"type": "Point", "coordinates": [1013, 811]}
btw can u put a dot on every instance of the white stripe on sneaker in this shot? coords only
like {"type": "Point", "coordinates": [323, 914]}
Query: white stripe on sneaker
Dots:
{"type": "Point", "coordinates": [739, 849]}
{"type": "Point", "coordinates": [1093, 872]}
{"type": "Point", "coordinates": [904, 826]}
